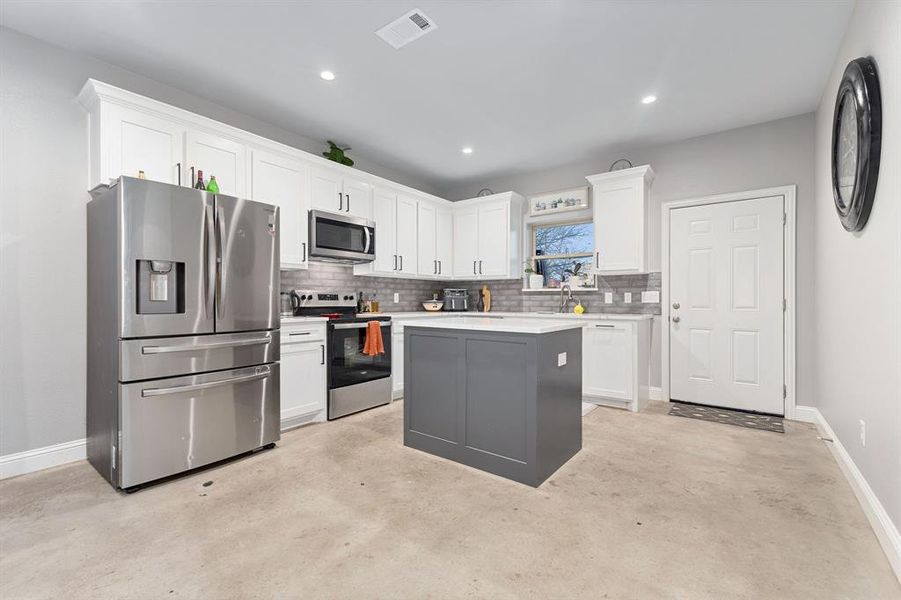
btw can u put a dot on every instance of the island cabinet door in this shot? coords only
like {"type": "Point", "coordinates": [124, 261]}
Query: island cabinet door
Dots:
{"type": "Point", "coordinates": [607, 361]}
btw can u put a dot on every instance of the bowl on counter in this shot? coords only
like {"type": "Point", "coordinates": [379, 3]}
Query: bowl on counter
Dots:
{"type": "Point", "coordinates": [433, 305]}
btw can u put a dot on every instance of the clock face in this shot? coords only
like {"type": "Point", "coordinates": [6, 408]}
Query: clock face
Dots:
{"type": "Point", "coordinates": [846, 150]}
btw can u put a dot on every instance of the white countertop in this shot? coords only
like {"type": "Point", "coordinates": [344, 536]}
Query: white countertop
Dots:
{"type": "Point", "coordinates": [505, 325]}
{"type": "Point", "coordinates": [421, 314]}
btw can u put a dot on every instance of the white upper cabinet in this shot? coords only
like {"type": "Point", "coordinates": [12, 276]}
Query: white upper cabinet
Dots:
{"type": "Point", "coordinates": [405, 232]}
{"type": "Point", "coordinates": [142, 142]}
{"type": "Point", "coordinates": [217, 156]}
{"type": "Point", "coordinates": [384, 213]}
{"type": "Point", "coordinates": [427, 231]}
{"type": "Point", "coordinates": [466, 241]}
{"type": "Point", "coordinates": [621, 214]}
{"type": "Point", "coordinates": [444, 242]}
{"type": "Point", "coordinates": [487, 234]}
{"type": "Point", "coordinates": [284, 181]}
{"type": "Point", "coordinates": [333, 192]}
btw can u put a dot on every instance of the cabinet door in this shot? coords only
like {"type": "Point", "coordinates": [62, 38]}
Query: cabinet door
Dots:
{"type": "Point", "coordinates": [303, 384]}
{"type": "Point", "coordinates": [405, 233]}
{"type": "Point", "coordinates": [607, 360]}
{"type": "Point", "coordinates": [140, 142]}
{"type": "Point", "coordinates": [494, 235]}
{"type": "Point", "coordinates": [385, 217]}
{"type": "Point", "coordinates": [218, 156]}
{"type": "Point", "coordinates": [618, 228]}
{"type": "Point", "coordinates": [466, 242]}
{"type": "Point", "coordinates": [357, 198]}
{"type": "Point", "coordinates": [444, 242]}
{"type": "Point", "coordinates": [427, 232]}
{"type": "Point", "coordinates": [397, 365]}
{"type": "Point", "coordinates": [284, 181]}
{"type": "Point", "coordinates": [325, 191]}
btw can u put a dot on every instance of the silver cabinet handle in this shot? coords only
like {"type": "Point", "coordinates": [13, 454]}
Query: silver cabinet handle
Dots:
{"type": "Point", "coordinates": [480, 267]}
{"type": "Point", "coordinates": [401, 262]}
{"type": "Point", "coordinates": [434, 267]}
{"type": "Point", "coordinates": [322, 346]}
{"type": "Point", "coordinates": [340, 201]}
{"type": "Point", "coordinates": [304, 246]}
{"type": "Point", "coordinates": [210, 346]}
{"type": "Point", "coordinates": [605, 326]}
{"type": "Point", "coordinates": [359, 325]}
{"type": "Point", "coordinates": [474, 267]}
{"type": "Point", "coordinates": [347, 196]}
{"type": "Point", "coordinates": [395, 262]}
{"type": "Point", "coordinates": [676, 305]}
{"type": "Point", "coordinates": [179, 172]}
{"type": "Point", "coordinates": [440, 267]}
{"type": "Point", "coordinates": [301, 333]}
{"type": "Point", "coordinates": [179, 389]}
{"type": "Point", "coordinates": [676, 319]}
{"type": "Point", "coordinates": [597, 260]}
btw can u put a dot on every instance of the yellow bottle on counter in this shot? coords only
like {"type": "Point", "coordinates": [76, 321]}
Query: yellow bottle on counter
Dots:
{"type": "Point", "coordinates": [578, 308]}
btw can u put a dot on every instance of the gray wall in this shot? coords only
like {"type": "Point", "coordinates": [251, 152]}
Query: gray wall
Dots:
{"type": "Point", "coordinates": [857, 277]}
{"type": "Point", "coordinates": [43, 191]}
{"type": "Point", "coordinates": [765, 155]}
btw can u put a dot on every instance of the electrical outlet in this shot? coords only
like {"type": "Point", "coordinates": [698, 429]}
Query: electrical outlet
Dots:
{"type": "Point", "coordinates": [650, 297]}
{"type": "Point", "coordinates": [608, 297]}
{"type": "Point", "coordinates": [863, 433]}
{"type": "Point", "coordinates": [627, 297]}
{"type": "Point", "coordinates": [396, 297]}
{"type": "Point", "coordinates": [561, 359]}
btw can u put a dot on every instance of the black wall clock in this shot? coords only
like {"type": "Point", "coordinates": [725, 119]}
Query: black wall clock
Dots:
{"type": "Point", "coordinates": [856, 143]}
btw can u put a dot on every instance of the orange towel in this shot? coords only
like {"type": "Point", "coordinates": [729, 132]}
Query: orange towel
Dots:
{"type": "Point", "coordinates": [373, 345]}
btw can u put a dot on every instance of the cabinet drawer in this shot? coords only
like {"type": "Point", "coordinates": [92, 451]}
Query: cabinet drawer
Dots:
{"type": "Point", "coordinates": [294, 334]}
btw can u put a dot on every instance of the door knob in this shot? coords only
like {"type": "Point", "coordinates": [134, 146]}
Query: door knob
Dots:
{"type": "Point", "coordinates": [676, 319]}
{"type": "Point", "coordinates": [676, 305]}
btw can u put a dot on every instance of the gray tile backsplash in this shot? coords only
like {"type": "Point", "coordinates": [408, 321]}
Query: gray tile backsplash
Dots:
{"type": "Point", "coordinates": [506, 295]}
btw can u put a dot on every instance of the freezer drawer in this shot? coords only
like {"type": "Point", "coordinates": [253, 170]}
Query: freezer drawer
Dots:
{"type": "Point", "coordinates": [169, 357]}
{"type": "Point", "coordinates": [175, 424]}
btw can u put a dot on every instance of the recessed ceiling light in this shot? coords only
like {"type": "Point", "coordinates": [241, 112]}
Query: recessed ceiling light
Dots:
{"type": "Point", "coordinates": [467, 150]}
{"type": "Point", "coordinates": [327, 75]}
{"type": "Point", "coordinates": [649, 99]}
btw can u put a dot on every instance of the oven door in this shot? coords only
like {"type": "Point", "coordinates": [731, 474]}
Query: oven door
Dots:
{"type": "Point", "coordinates": [341, 238]}
{"type": "Point", "coordinates": [347, 364]}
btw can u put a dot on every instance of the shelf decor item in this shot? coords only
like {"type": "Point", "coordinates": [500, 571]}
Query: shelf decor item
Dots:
{"type": "Point", "coordinates": [856, 143]}
{"type": "Point", "coordinates": [336, 153]}
{"type": "Point", "coordinates": [558, 202]}
{"type": "Point", "coordinates": [536, 281]}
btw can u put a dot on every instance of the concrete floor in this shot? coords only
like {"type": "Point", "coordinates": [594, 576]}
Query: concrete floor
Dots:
{"type": "Point", "coordinates": [652, 507]}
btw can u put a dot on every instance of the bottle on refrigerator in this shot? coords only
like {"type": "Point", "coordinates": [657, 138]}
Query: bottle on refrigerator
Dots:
{"type": "Point", "coordinates": [213, 185]}
{"type": "Point", "coordinates": [199, 185]}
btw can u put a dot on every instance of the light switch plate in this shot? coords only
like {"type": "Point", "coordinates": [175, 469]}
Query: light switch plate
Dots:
{"type": "Point", "coordinates": [627, 297]}
{"type": "Point", "coordinates": [608, 297]}
{"type": "Point", "coordinates": [561, 359]}
{"type": "Point", "coordinates": [396, 297]}
{"type": "Point", "coordinates": [650, 297]}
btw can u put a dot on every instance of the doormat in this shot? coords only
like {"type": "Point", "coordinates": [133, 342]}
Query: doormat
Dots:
{"type": "Point", "coordinates": [729, 417]}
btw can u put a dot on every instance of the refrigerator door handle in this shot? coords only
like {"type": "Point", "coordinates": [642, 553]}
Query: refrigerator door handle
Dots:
{"type": "Point", "coordinates": [178, 389]}
{"type": "Point", "coordinates": [209, 260]}
{"type": "Point", "coordinates": [220, 262]}
{"type": "Point", "coordinates": [212, 346]}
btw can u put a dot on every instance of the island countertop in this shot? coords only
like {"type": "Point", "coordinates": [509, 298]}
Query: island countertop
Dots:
{"type": "Point", "coordinates": [505, 325]}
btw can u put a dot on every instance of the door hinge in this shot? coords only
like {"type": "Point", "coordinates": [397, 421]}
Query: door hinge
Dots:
{"type": "Point", "coordinates": [784, 218]}
{"type": "Point", "coordinates": [784, 391]}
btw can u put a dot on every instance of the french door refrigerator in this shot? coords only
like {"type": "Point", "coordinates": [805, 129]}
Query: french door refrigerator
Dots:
{"type": "Point", "coordinates": [183, 318]}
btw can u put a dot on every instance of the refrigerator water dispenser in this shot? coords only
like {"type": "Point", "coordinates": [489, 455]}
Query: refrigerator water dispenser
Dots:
{"type": "Point", "coordinates": [161, 286]}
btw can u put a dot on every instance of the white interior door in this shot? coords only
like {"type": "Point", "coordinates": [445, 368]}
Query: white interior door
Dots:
{"type": "Point", "coordinates": [726, 318]}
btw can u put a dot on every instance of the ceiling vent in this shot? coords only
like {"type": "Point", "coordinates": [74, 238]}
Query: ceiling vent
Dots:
{"type": "Point", "coordinates": [411, 26]}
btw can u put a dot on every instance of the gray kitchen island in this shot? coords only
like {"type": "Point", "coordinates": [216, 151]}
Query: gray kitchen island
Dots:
{"type": "Point", "coordinates": [503, 395]}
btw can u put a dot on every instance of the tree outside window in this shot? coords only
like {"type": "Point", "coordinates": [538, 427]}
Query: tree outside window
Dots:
{"type": "Point", "coordinates": [562, 249]}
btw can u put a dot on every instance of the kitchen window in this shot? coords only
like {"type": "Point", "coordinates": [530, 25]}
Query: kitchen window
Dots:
{"type": "Point", "coordinates": [561, 249]}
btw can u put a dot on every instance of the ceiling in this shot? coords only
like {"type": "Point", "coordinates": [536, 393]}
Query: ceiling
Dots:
{"type": "Point", "coordinates": [526, 84]}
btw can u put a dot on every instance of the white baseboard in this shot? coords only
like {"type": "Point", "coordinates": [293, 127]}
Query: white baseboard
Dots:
{"type": "Point", "coordinates": [29, 461]}
{"type": "Point", "coordinates": [885, 529]}
{"type": "Point", "coordinates": [655, 393]}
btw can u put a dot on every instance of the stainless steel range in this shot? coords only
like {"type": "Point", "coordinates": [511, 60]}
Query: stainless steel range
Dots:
{"type": "Point", "coordinates": [356, 381]}
{"type": "Point", "coordinates": [183, 318]}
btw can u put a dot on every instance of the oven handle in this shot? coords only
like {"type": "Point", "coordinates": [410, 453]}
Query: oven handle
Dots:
{"type": "Point", "coordinates": [358, 325]}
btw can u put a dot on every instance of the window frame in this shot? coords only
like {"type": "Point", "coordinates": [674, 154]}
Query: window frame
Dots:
{"type": "Point", "coordinates": [534, 257]}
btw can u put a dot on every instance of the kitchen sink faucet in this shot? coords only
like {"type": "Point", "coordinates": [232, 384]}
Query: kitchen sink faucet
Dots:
{"type": "Point", "coordinates": [565, 302]}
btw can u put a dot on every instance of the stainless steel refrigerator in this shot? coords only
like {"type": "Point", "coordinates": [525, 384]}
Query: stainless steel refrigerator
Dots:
{"type": "Point", "coordinates": [183, 317]}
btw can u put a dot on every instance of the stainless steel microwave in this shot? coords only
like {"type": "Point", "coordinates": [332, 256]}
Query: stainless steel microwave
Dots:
{"type": "Point", "coordinates": [341, 238]}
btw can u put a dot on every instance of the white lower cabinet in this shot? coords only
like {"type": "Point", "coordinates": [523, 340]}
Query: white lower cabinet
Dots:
{"type": "Point", "coordinates": [616, 363]}
{"type": "Point", "coordinates": [304, 388]}
{"type": "Point", "coordinates": [397, 365]}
